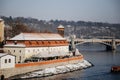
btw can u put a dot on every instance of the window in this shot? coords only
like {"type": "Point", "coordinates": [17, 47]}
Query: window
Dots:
{"type": "Point", "coordinates": [5, 60]}
{"type": "Point", "coordinates": [20, 58]}
{"type": "Point", "coordinates": [9, 60]}
{"type": "Point", "coordinates": [14, 50]}
{"type": "Point", "coordinates": [15, 42]}
{"type": "Point", "coordinates": [28, 50]}
{"type": "Point", "coordinates": [20, 51]}
{"type": "Point", "coordinates": [9, 51]}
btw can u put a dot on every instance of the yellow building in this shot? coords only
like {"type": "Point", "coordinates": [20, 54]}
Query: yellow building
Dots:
{"type": "Point", "coordinates": [1, 30]}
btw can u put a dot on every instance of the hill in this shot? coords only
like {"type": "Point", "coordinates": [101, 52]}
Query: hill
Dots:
{"type": "Point", "coordinates": [82, 29]}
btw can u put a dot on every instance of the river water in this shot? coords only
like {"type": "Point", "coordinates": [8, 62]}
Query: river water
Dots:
{"type": "Point", "coordinates": [102, 60]}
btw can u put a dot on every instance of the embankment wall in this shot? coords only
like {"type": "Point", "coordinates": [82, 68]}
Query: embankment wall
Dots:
{"type": "Point", "coordinates": [32, 66]}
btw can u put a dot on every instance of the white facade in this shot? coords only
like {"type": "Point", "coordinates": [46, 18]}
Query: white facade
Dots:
{"type": "Point", "coordinates": [27, 45]}
{"type": "Point", "coordinates": [46, 51]}
{"type": "Point", "coordinates": [23, 53]}
{"type": "Point", "coordinates": [19, 53]}
{"type": "Point", "coordinates": [7, 61]}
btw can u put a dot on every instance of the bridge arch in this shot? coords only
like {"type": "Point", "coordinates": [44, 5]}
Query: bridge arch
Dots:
{"type": "Point", "coordinates": [110, 44]}
{"type": "Point", "coordinates": [117, 43]}
{"type": "Point", "coordinates": [106, 44]}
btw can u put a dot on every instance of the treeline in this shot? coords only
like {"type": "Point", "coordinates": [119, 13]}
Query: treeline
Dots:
{"type": "Point", "coordinates": [85, 29]}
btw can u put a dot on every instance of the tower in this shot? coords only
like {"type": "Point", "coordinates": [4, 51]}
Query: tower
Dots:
{"type": "Point", "coordinates": [60, 30]}
{"type": "Point", "coordinates": [1, 30]}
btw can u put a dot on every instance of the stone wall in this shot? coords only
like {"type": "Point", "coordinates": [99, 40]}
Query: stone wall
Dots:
{"type": "Point", "coordinates": [29, 67]}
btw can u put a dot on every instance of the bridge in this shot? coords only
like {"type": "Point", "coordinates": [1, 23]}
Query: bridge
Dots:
{"type": "Point", "coordinates": [111, 44]}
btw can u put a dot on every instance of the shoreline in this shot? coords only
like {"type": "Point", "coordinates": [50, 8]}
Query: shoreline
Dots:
{"type": "Point", "coordinates": [50, 71]}
{"type": "Point", "coordinates": [23, 68]}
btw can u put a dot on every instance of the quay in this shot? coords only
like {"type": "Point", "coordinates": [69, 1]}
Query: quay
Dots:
{"type": "Point", "coordinates": [23, 68]}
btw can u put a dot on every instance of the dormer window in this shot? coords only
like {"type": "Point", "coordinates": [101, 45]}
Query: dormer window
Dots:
{"type": "Point", "coordinates": [15, 42]}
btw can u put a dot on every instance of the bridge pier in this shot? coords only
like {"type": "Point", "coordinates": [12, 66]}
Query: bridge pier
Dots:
{"type": "Point", "coordinates": [73, 46]}
{"type": "Point", "coordinates": [112, 47]}
{"type": "Point", "coordinates": [113, 44]}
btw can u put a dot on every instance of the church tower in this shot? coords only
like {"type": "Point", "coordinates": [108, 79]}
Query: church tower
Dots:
{"type": "Point", "coordinates": [1, 30]}
{"type": "Point", "coordinates": [60, 30]}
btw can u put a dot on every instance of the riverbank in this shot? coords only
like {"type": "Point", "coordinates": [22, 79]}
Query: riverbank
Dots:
{"type": "Point", "coordinates": [23, 68]}
{"type": "Point", "coordinates": [56, 70]}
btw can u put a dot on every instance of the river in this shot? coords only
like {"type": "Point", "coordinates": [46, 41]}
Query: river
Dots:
{"type": "Point", "coordinates": [102, 60]}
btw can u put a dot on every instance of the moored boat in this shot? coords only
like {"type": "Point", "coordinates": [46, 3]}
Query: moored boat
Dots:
{"type": "Point", "coordinates": [115, 69]}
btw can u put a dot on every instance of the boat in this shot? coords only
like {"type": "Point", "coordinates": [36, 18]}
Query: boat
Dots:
{"type": "Point", "coordinates": [115, 69]}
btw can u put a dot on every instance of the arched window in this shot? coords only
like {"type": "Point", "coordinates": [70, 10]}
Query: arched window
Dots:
{"type": "Point", "coordinates": [20, 58]}
{"type": "Point", "coordinates": [20, 51]}
{"type": "Point", "coordinates": [5, 60]}
{"type": "Point", "coordinates": [15, 42]}
{"type": "Point", "coordinates": [9, 51]}
{"type": "Point", "coordinates": [9, 60]}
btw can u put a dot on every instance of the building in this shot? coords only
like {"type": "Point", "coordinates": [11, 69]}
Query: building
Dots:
{"type": "Point", "coordinates": [7, 61]}
{"type": "Point", "coordinates": [1, 30]}
{"type": "Point", "coordinates": [60, 30]}
{"type": "Point", "coordinates": [39, 45]}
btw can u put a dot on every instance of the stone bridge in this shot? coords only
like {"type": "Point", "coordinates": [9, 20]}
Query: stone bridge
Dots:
{"type": "Point", "coordinates": [110, 44]}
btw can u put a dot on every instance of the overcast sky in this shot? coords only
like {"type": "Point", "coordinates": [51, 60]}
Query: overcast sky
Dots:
{"type": "Point", "coordinates": [86, 10]}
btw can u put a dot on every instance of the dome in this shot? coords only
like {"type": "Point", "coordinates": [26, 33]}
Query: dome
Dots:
{"type": "Point", "coordinates": [60, 26]}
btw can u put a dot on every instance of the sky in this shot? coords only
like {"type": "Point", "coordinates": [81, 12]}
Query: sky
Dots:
{"type": "Point", "coordinates": [70, 10]}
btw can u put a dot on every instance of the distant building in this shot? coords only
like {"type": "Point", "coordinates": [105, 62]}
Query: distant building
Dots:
{"type": "Point", "coordinates": [7, 61]}
{"type": "Point", "coordinates": [42, 45]}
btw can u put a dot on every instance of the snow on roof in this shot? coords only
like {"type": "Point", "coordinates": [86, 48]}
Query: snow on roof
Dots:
{"type": "Point", "coordinates": [4, 54]}
{"type": "Point", "coordinates": [1, 19]}
{"type": "Point", "coordinates": [13, 45]}
{"type": "Point", "coordinates": [60, 26]}
{"type": "Point", "coordinates": [38, 36]}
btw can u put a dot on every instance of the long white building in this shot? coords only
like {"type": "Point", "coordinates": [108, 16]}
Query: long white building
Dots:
{"type": "Point", "coordinates": [42, 45]}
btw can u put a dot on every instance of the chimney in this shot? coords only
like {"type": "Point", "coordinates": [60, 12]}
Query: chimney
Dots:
{"type": "Point", "coordinates": [60, 30]}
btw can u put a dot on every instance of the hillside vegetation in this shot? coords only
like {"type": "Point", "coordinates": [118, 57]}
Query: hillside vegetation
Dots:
{"type": "Point", "coordinates": [82, 29]}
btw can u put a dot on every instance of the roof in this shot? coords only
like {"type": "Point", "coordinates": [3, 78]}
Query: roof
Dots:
{"type": "Point", "coordinates": [13, 45]}
{"type": "Point", "coordinates": [1, 19]}
{"type": "Point", "coordinates": [60, 26]}
{"type": "Point", "coordinates": [4, 54]}
{"type": "Point", "coordinates": [38, 36]}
